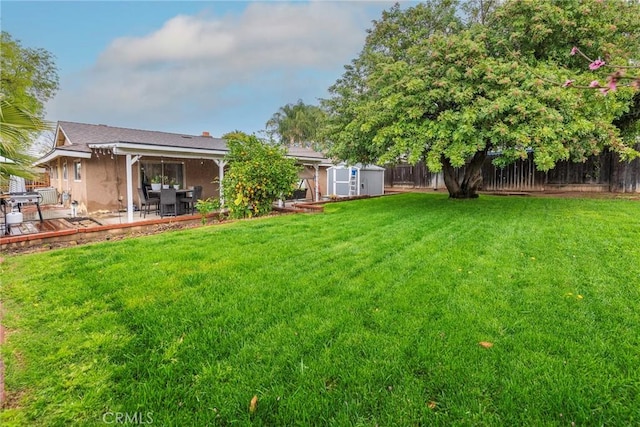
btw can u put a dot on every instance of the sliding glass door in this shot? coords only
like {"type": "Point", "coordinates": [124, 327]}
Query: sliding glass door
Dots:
{"type": "Point", "coordinates": [165, 172]}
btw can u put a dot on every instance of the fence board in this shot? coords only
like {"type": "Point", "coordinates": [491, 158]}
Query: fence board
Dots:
{"type": "Point", "coordinates": [604, 172]}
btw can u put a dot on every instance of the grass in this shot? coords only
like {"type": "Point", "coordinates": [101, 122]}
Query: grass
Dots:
{"type": "Point", "coordinates": [369, 314]}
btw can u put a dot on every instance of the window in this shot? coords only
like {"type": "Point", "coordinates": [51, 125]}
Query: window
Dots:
{"type": "Point", "coordinates": [77, 171]}
{"type": "Point", "coordinates": [171, 171]}
{"type": "Point", "coordinates": [64, 171]}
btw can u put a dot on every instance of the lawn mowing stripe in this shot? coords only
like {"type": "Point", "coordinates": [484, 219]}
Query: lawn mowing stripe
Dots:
{"type": "Point", "coordinates": [370, 313]}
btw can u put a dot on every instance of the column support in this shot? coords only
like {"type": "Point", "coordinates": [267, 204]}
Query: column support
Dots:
{"type": "Point", "coordinates": [316, 179]}
{"type": "Point", "coordinates": [129, 166]}
{"type": "Point", "coordinates": [221, 164]}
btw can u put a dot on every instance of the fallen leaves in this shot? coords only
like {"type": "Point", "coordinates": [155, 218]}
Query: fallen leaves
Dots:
{"type": "Point", "coordinates": [485, 344]}
{"type": "Point", "coordinates": [253, 405]}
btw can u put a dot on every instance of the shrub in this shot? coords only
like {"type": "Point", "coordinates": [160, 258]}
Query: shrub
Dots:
{"type": "Point", "coordinates": [258, 175]}
{"type": "Point", "coordinates": [206, 206]}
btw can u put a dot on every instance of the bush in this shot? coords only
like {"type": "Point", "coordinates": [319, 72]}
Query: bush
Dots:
{"type": "Point", "coordinates": [258, 175]}
{"type": "Point", "coordinates": [206, 206]}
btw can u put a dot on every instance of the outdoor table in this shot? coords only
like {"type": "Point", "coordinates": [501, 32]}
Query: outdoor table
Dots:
{"type": "Point", "coordinates": [183, 192]}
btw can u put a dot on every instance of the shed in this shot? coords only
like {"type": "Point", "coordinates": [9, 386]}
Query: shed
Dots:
{"type": "Point", "coordinates": [355, 180]}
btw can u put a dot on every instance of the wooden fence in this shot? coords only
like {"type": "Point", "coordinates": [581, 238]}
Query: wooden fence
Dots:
{"type": "Point", "coordinates": [599, 173]}
{"type": "Point", "coordinates": [41, 182]}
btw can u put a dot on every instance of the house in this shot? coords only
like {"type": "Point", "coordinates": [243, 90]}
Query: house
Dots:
{"type": "Point", "coordinates": [100, 167]}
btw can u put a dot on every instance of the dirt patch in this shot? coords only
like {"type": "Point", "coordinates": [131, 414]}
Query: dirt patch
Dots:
{"type": "Point", "coordinates": [13, 400]}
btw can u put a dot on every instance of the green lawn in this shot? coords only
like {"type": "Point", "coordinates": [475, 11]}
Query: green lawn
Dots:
{"type": "Point", "coordinates": [369, 314]}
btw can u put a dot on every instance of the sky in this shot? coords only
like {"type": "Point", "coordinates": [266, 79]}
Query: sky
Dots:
{"type": "Point", "coordinates": [188, 67]}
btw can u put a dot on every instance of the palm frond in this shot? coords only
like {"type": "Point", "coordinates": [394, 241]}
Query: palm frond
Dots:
{"type": "Point", "coordinates": [17, 127]}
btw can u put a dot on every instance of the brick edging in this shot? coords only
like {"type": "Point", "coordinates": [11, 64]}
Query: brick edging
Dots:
{"type": "Point", "coordinates": [91, 233]}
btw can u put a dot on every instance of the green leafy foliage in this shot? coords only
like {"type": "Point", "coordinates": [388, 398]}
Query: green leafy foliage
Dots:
{"type": "Point", "coordinates": [258, 175]}
{"type": "Point", "coordinates": [16, 126]}
{"type": "Point", "coordinates": [28, 79]}
{"type": "Point", "coordinates": [207, 206]}
{"type": "Point", "coordinates": [296, 124]}
{"type": "Point", "coordinates": [29, 76]}
{"type": "Point", "coordinates": [429, 86]}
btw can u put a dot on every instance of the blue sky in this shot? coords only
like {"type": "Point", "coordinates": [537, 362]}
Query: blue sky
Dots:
{"type": "Point", "coordinates": [189, 67]}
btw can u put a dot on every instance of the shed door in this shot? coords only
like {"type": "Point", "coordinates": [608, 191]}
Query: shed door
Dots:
{"type": "Point", "coordinates": [341, 182]}
{"type": "Point", "coordinates": [373, 183]}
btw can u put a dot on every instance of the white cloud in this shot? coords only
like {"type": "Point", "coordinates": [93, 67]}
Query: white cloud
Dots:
{"type": "Point", "coordinates": [265, 35]}
{"type": "Point", "coordinates": [182, 38]}
{"type": "Point", "coordinates": [203, 64]}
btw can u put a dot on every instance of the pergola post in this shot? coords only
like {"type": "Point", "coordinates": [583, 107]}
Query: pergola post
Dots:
{"type": "Point", "coordinates": [129, 168]}
{"type": "Point", "coordinates": [317, 184]}
{"type": "Point", "coordinates": [221, 164]}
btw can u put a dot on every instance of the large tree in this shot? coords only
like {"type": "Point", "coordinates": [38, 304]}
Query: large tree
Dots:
{"type": "Point", "coordinates": [296, 124]}
{"type": "Point", "coordinates": [29, 76]}
{"type": "Point", "coordinates": [430, 86]}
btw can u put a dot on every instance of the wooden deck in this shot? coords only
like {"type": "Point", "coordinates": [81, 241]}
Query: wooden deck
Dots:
{"type": "Point", "coordinates": [24, 228]}
{"type": "Point", "coordinates": [56, 218]}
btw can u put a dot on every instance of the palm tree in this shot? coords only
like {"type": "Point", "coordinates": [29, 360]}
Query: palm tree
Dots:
{"type": "Point", "coordinates": [295, 124]}
{"type": "Point", "coordinates": [17, 126]}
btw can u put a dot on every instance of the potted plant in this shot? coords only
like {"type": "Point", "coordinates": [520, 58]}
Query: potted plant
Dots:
{"type": "Point", "coordinates": [175, 183]}
{"type": "Point", "coordinates": [165, 182]}
{"type": "Point", "coordinates": [156, 183]}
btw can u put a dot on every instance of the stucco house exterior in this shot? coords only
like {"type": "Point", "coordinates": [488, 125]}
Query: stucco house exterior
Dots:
{"type": "Point", "coordinates": [100, 167]}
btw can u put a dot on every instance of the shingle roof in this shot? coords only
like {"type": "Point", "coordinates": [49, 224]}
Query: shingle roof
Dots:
{"type": "Point", "coordinates": [82, 134]}
{"type": "Point", "coordinates": [305, 153]}
{"type": "Point", "coordinates": [81, 137]}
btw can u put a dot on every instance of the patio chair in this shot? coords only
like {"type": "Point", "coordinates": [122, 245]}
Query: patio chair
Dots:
{"type": "Point", "coordinates": [146, 202]}
{"type": "Point", "coordinates": [168, 198]}
{"type": "Point", "coordinates": [190, 202]}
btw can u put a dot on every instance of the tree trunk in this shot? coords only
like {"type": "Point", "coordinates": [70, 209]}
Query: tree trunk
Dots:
{"type": "Point", "coordinates": [465, 187]}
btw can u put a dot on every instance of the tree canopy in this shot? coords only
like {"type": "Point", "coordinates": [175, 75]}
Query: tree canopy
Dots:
{"type": "Point", "coordinates": [296, 124]}
{"type": "Point", "coordinates": [430, 85]}
{"type": "Point", "coordinates": [29, 76]}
